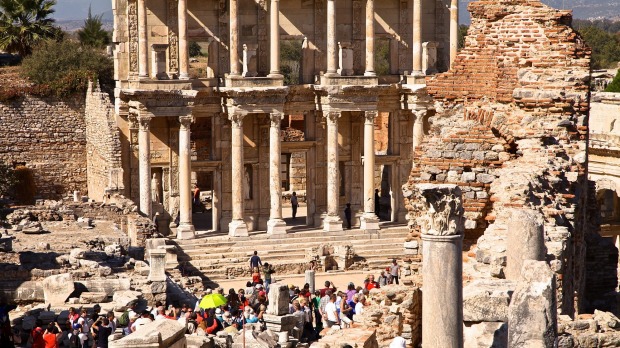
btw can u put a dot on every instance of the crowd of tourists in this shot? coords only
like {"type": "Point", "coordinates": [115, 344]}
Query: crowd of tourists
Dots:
{"type": "Point", "coordinates": [327, 307]}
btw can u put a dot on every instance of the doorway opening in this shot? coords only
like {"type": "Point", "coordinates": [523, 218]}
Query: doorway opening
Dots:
{"type": "Point", "coordinates": [202, 213]}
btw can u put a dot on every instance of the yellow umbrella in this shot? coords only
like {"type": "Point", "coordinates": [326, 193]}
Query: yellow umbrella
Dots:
{"type": "Point", "coordinates": [213, 301]}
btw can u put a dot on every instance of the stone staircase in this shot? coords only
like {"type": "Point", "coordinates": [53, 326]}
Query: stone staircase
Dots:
{"type": "Point", "coordinates": [219, 257]}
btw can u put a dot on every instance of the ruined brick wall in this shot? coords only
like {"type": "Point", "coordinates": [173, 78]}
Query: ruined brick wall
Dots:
{"type": "Point", "coordinates": [511, 128]}
{"type": "Point", "coordinates": [47, 135]}
{"type": "Point", "coordinates": [103, 144]}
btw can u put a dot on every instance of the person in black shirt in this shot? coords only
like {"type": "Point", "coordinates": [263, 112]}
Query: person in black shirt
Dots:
{"type": "Point", "coordinates": [102, 330]}
{"type": "Point", "coordinates": [255, 261]}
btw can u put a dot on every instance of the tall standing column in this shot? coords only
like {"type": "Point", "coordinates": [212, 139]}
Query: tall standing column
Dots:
{"type": "Point", "coordinates": [454, 30]}
{"type": "Point", "coordinates": [234, 38]}
{"type": "Point", "coordinates": [143, 55]}
{"type": "Point", "coordinates": [274, 39]}
{"type": "Point", "coordinates": [275, 225]}
{"type": "Point", "coordinates": [186, 228]}
{"type": "Point", "coordinates": [332, 57]}
{"type": "Point", "coordinates": [370, 221]}
{"type": "Point", "coordinates": [183, 46]}
{"type": "Point", "coordinates": [144, 163]}
{"type": "Point", "coordinates": [332, 221]}
{"type": "Point", "coordinates": [370, 38]}
{"type": "Point", "coordinates": [237, 227]}
{"type": "Point", "coordinates": [417, 38]}
{"type": "Point", "coordinates": [442, 226]}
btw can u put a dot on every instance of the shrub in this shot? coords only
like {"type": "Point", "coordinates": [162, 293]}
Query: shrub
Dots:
{"type": "Point", "coordinates": [614, 86]}
{"type": "Point", "coordinates": [65, 67]}
{"type": "Point", "coordinates": [7, 179]}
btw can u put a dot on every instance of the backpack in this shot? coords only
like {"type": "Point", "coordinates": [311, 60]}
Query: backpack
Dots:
{"type": "Point", "coordinates": [124, 319]}
{"type": "Point", "coordinates": [74, 341]}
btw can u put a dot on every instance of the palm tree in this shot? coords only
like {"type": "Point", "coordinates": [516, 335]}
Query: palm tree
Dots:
{"type": "Point", "coordinates": [24, 23]}
{"type": "Point", "coordinates": [92, 34]}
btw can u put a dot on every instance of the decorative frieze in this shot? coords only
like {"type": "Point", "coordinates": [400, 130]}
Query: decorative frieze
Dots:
{"type": "Point", "coordinates": [173, 38]}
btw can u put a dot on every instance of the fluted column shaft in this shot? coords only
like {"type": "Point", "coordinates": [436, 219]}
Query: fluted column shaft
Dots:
{"type": "Point", "coordinates": [369, 221]}
{"type": "Point", "coordinates": [454, 30]}
{"type": "Point", "coordinates": [183, 46]}
{"type": "Point", "coordinates": [417, 37]}
{"type": "Point", "coordinates": [332, 221]}
{"type": "Point", "coordinates": [234, 38]}
{"type": "Point", "coordinates": [370, 38]}
{"type": "Point", "coordinates": [275, 225]}
{"type": "Point", "coordinates": [274, 33]}
{"type": "Point", "coordinates": [186, 228]}
{"type": "Point", "coordinates": [332, 57]}
{"type": "Point", "coordinates": [237, 226]}
{"type": "Point", "coordinates": [143, 54]}
{"type": "Point", "coordinates": [144, 164]}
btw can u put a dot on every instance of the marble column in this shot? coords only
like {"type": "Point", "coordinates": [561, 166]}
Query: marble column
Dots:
{"type": "Point", "coordinates": [143, 50]}
{"type": "Point", "coordinates": [332, 57]}
{"type": "Point", "coordinates": [310, 279]}
{"type": "Point", "coordinates": [234, 38]}
{"type": "Point", "coordinates": [442, 225]}
{"type": "Point", "coordinates": [418, 128]}
{"type": "Point", "coordinates": [370, 38]}
{"type": "Point", "coordinates": [369, 221]}
{"type": "Point", "coordinates": [183, 46]}
{"type": "Point", "coordinates": [186, 228]}
{"type": "Point", "coordinates": [275, 225]}
{"type": "Point", "coordinates": [144, 164]}
{"type": "Point", "coordinates": [237, 227]}
{"type": "Point", "coordinates": [417, 38]}
{"type": "Point", "coordinates": [454, 30]}
{"type": "Point", "coordinates": [526, 240]}
{"type": "Point", "coordinates": [274, 39]}
{"type": "Point", "coordinates": [332, 221]}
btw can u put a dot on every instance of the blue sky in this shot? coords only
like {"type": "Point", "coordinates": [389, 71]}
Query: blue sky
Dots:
{"type": "Point", "coordinates": [78, 9]}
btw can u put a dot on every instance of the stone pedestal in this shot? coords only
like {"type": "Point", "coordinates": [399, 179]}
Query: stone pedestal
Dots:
{"type": "Point", "coordinates": [238, 228]}
{"type": "Point", "coordinates": [310, 279]}
{"type": "Point", "coordinates": [157, 263]}
{"type": "Point", "coordinates": [279, 299]}
{"type": "Point", "coordinates": [526, 240]}
{"type": "Point", "coordinates": [442, 303]}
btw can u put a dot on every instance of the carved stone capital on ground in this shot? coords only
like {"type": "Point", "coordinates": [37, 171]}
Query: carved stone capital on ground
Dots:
{"type": "Point", "coordinates": [441, 209]}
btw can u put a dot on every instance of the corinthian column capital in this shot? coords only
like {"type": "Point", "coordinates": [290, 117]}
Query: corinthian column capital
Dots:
{"type": "Point", "coordinates": [186, 121]}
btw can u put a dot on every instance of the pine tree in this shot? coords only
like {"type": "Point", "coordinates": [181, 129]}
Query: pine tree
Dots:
{"type": "Point", "coordinates": [92, 33]}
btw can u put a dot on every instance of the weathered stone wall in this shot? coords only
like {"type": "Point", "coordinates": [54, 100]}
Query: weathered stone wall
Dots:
{"type": "Point", "coordinates": [103, 145]}
{"type": "Point", "coordinates": [518, 96]}
{"type": "Point", "coordinates": [47, 136]}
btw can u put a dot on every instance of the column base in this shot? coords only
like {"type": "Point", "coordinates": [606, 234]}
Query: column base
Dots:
{"type": "Point", "coordinates": [370, 73]}
{"type": "Point", "coordinates": [184, 76]}
{"type": "Point", "coordinates": [275, 75]}
{"type": "Point", "coordinates": [331, 74]}
{"type": "Point", "coordinates": [238, 228]}
{"type": "Point", "coordinates": [369, 222]}
{"type": "Point", "coordinates": [276, 226]}
{"type": "Point", "coordinates": [186, 231]}
{"type": "Point", "coordinates": [332, 224]}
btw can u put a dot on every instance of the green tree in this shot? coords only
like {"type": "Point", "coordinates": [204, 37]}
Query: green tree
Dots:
{"type": "Point", "coordinates": [614, 86]}
{"type": "Point", "coordinates": [7, 179]}
{"type": "Point", "coordinates": [92, 33]}
{"type": "Point", "coordinates": [24, 23]}
{"type": "Point", "coordinates": [194, 49]}
{"type": "Point", "coordinates": [67, 66]}
{"type": "Point", "coordinates": [461, 35]}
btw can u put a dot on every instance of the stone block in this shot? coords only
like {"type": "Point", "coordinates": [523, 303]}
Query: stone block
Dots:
{"type": "Point", "coordinates": [57, 288]}
{"type": "Point", "coordinates": [279, 299]}
{"type": "Point", "coordinates": [532, 315]}
{"type": "Point", "coordinates": [487, 300]}
{"type": "Point", "coordinates": [525, 240]}
{"type": "Point", "coordinates": [491, 335]}
{"type": "Point", "coordinates": [279, 323]}
{"type": "Point", "coordinates": [158, 334]}
{"type": "Point", "coordinates": [194, 341]}
{"type": "Point", "coordinates": [123, 299]}
{"type": "Point", "coordinates": [93, 297]}
{"type": "Point", "coordinates": [157, 261]}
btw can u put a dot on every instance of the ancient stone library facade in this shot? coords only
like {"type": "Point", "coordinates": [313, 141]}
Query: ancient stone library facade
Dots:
{"type": "Point", "coordinates": [247, 99]}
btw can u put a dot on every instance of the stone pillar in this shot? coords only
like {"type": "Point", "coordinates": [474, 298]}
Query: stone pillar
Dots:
{"type": "Point", "coordinates": [279, 299]}
{"type": "Point", "coordinates": [183, 46]}
{"type": "Point", "coordinates": [310, 279]}
{"type": "Point", "coordinates": [143, 54]}
{"type": "Point", "coordinates": [186, 228]}
{"type": "Point", "coordinates": [418, 128]}
{"type": "Point", "coordinates": [144, 164]}
{"type": "Point", "coordinates": [454, 30]}
{"type": "Point", "coordinates": [370, 38]}
{"type": "Point", "coordinates": [157, 263]}
{"type": "Point", "coordinates": [526, 240]}
{"type": "Point", "coordinates": [442, 226]}
{"type": "Point", "coordinates": [274, 39]}
{"type": "Point", "coordinates": [237, 227]}
{"type": "Point", "coordinates": [234, 38]}
{"type": "Point", "coordinates": [332, 58]}
{"type": "Point", "coordinates": [332, 221]}
{"type": "Point", "coordinates": [417, 38]}
{"type": "Point", "coordinates": [369, 221]}
{"type": "Point", "coordinates": [275, 225]}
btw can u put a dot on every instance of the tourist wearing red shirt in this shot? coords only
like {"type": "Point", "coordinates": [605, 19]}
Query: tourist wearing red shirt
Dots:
{"type": "Point", "coordinates": [372, 284]}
